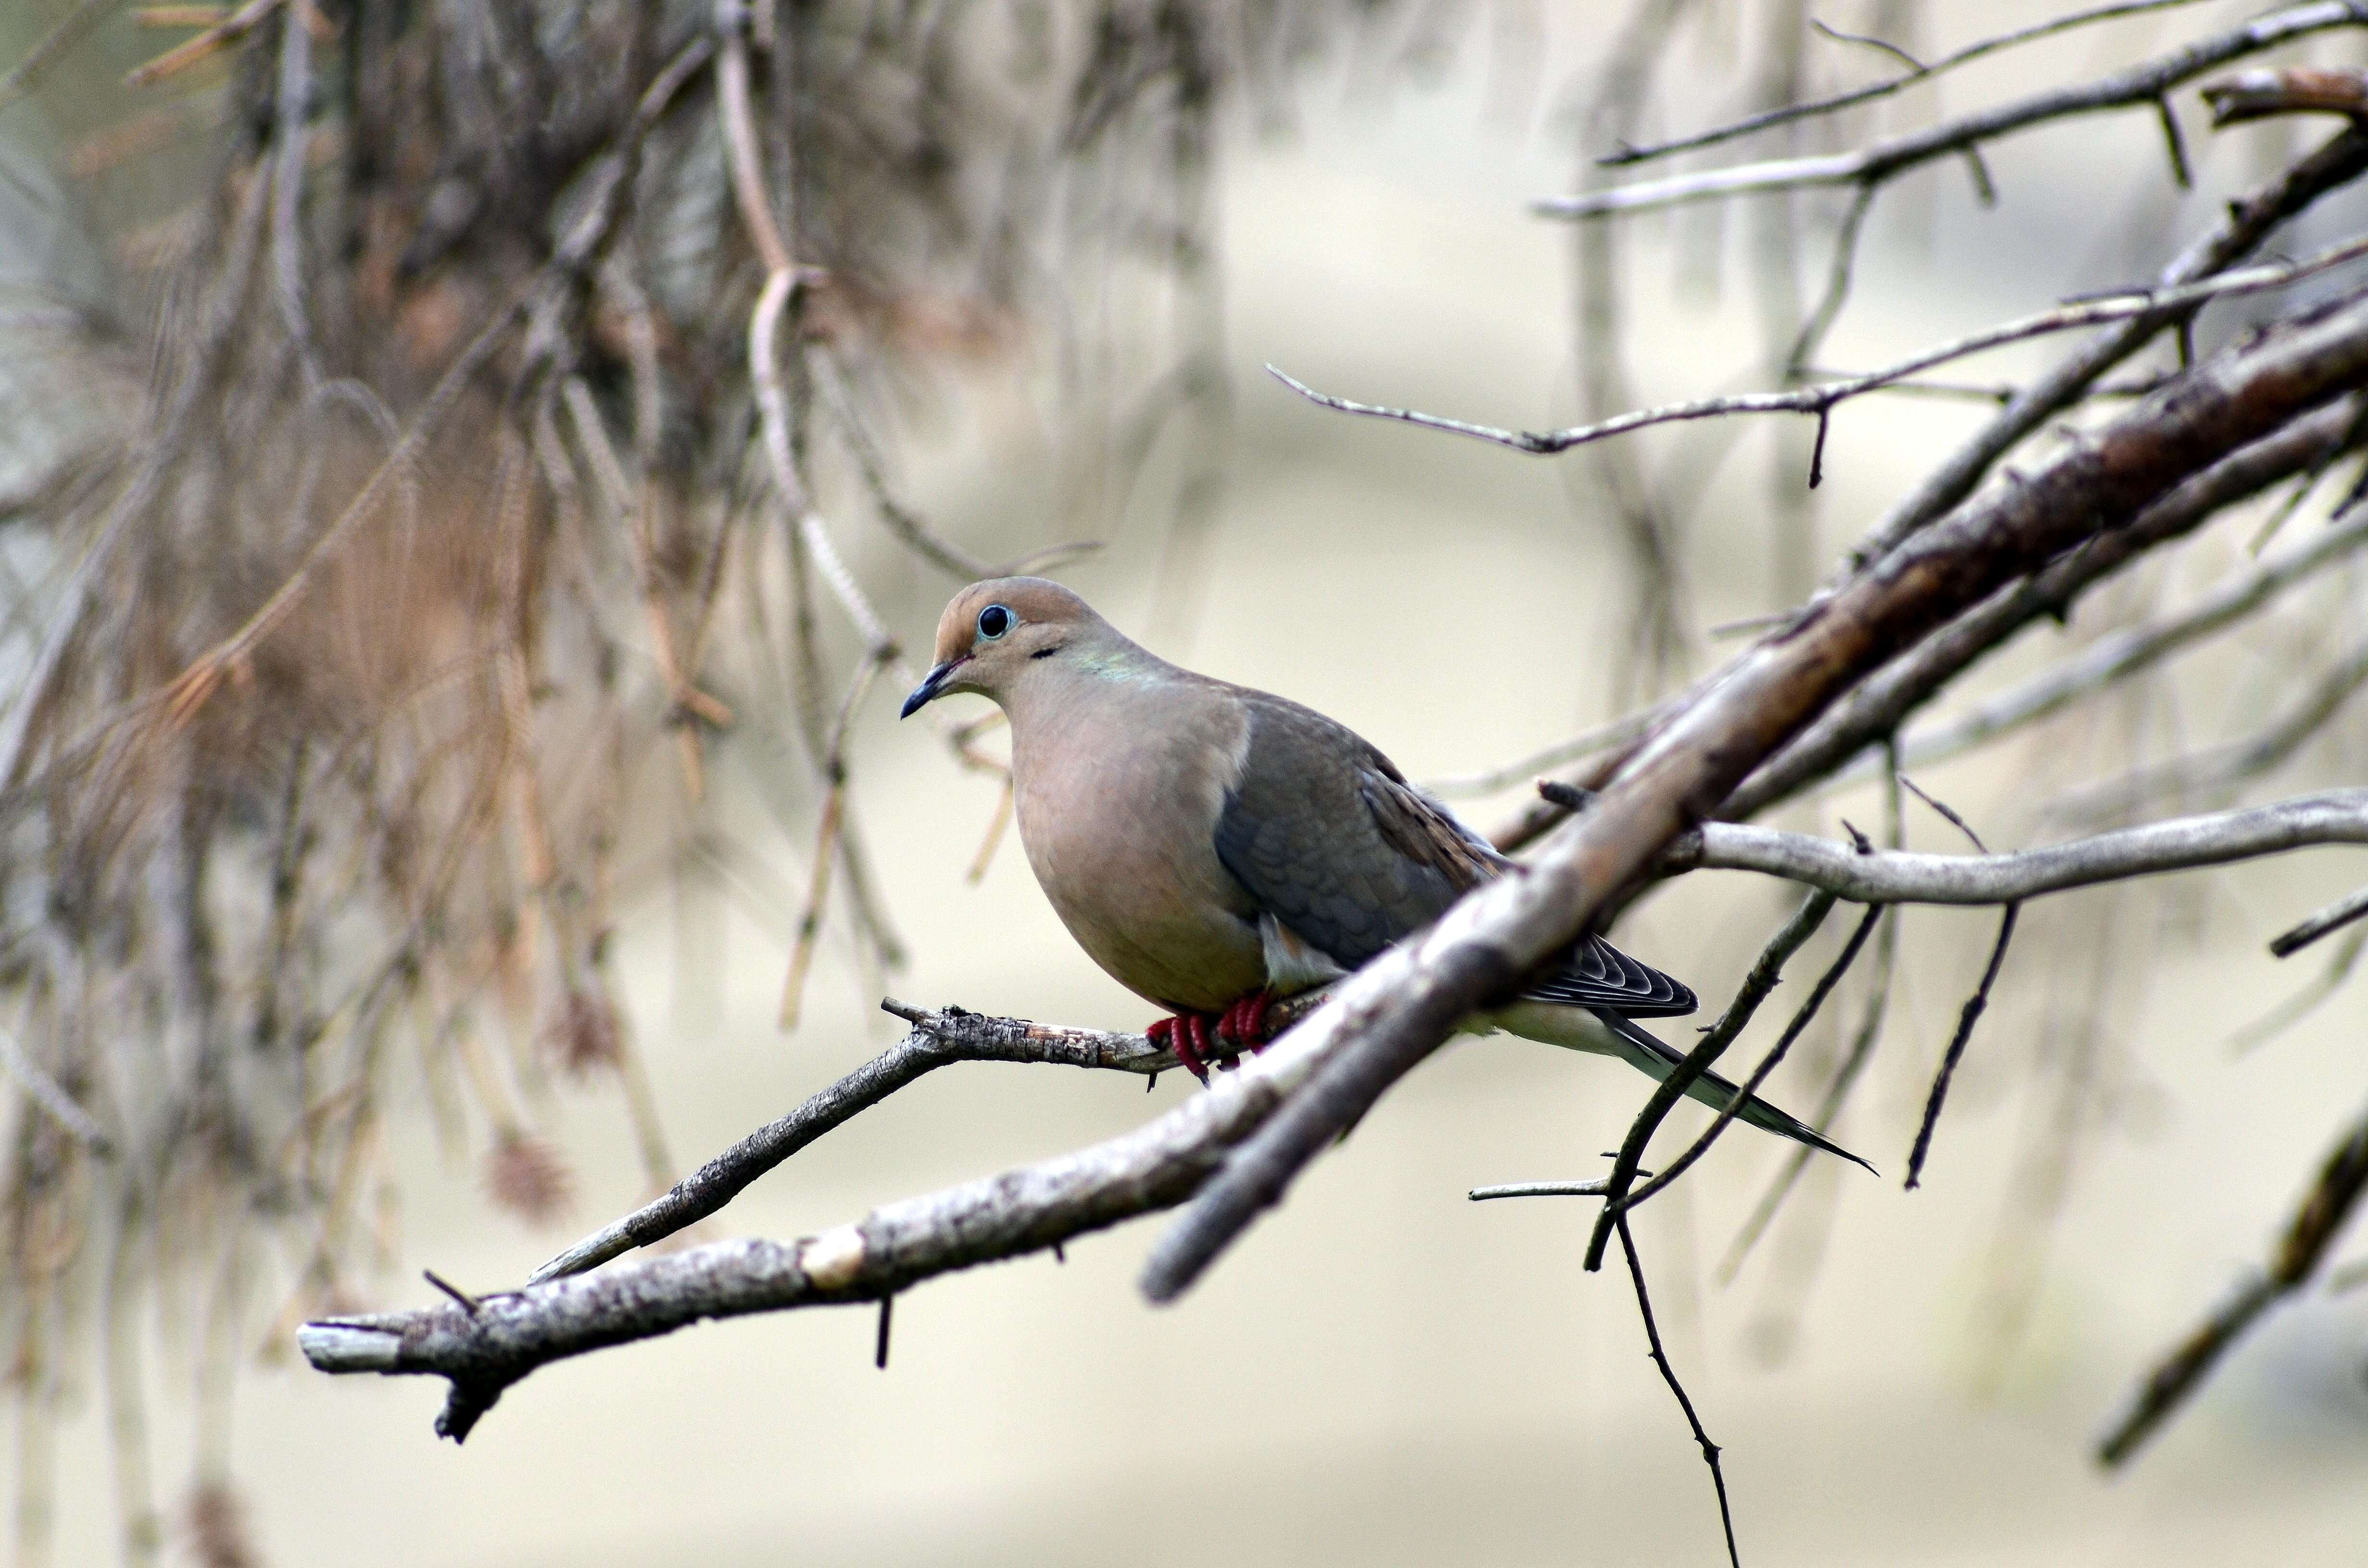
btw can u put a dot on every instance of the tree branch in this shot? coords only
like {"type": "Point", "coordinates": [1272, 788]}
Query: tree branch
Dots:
{"type": "Point", "coordinates": [938, 1040]}
{"type": "Point", "coordinates": [2334, 917]}
{"type": "Point", "coordinates": [481, 1353]}
{"type": "Point", "coordinates": [2121, 654]}
{"type": "Point", "coordinates": [1765, 971]}
{"type": "Point", "coordinates": [1884, 701]}
{"type": "Point", "coordinates": [2140, 86]}
{"type": "Point", "coordinates": [1919, 71]}
{"type": "Point", "coordinates": [1886, 876]}
{"type": "Point", "coordinates": [1819, 400]}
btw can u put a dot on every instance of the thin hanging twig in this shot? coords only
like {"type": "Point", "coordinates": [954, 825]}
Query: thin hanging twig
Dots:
{"type": "Point", "coordinates": [1710, 1450]}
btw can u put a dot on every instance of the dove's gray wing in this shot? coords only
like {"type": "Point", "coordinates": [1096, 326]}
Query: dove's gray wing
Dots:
{"type": "Point", "coordinates": [1327, 836]}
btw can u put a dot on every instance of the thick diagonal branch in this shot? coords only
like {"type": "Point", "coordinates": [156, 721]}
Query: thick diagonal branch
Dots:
{"type": "Point", "coordinates": [1761, 702]}
{"type": "Point", "coordinates": [1878, 706]}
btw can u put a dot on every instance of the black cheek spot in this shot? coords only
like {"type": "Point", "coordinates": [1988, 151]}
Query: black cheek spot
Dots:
{"type": "Point", "coordinates": [1048, 653]}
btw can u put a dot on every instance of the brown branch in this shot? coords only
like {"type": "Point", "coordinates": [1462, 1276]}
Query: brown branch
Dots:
{"type": "Point", "coordinates": [2296, 89]}
{"type": "Point", "coordinates": [222, 34]}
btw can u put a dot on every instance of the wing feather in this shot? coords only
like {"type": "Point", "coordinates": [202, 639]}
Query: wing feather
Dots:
{"type": "Point", "coordinates": [1327, 837]}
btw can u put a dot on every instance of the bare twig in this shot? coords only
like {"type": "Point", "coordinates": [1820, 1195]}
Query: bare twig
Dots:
{"type": "Point", "coordinates": [1969, 1016]}
{"type": "Point", "coordinates": [902, 520]}
{"type": "Point", "coordinates": [1768, 1064]}
{"type": "Point", "coordinates": [2334, 917]}
{"type": "Point", "coordinates": [2295, 1008]}
{"type": "Point", "coordinates": [291, 140]}
{"type": "Point", "coordinates": [1764, 974]}
{"type": "Point", "coordinates": [2316, 1221]}
{"type": "Point", "coordinates": [1975, 1004]}
{"type": "Point", "coordinates": [1669, 1375]}
{"type": "Point", "coordinates": [1829, 307]}
{"type": "Point", "coordinates": [740, 141]}
{"type": "Point", "coordinates": [826, 840]}
{"type": "Point", "coordinates": [2140, 86]}
{"type": "Point", "coordinates": [222, 34]}
{"type": "Point", "coordinates": [1537, 1189]}
{"type": "Point", "coordinates": [773, 401]}
{"type": "Point", "coordinates": [1918, 71]}
{"type": "Point", "coordinates": [2216, 838]}
{"type": "Point", "coordinates": [69, 30]}
{"type": "Point", "coordinates": [2295, 89]}
{"type": "Point", "coordinates": [1820, 400]}
{"type": "Point", "coordinates": [1854, 1060]}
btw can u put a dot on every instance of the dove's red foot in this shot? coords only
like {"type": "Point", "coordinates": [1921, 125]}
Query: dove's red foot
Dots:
{"type": "Point", "coordinates": [1245, 1022]}
{"type": "Point", "coordinates": [1188, 1035]}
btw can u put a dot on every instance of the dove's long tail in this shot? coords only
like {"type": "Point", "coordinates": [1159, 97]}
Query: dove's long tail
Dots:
{"type": "Point", "coordinates": [1609, 1034]}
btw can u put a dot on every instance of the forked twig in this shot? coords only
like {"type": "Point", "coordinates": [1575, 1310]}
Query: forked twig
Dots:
{"type": "Point", "coordinates": [1765, 971]}
{"type": "Point", "coordinates": [1975, 1005]}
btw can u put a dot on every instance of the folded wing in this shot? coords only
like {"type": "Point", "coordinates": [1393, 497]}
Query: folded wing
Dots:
{"type": "Point", "coordinates": [1326, 834]}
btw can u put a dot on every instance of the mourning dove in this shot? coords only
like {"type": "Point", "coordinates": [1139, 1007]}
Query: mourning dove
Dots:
{"type": "Point", "coordinates": [1214, 847]}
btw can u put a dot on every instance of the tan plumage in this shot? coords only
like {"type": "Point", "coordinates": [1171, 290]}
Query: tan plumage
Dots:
{"type": "Point", "coordinates": [1206, 844]}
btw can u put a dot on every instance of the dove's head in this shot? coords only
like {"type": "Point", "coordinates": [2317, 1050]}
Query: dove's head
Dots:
{"type": "Point", "coordinates": [1000, 637]}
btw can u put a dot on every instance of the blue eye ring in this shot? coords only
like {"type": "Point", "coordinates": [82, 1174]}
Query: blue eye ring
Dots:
{"type": "Point", "coordinates": [995, 621]}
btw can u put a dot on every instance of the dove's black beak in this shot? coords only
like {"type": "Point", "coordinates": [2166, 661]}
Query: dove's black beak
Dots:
{"type": "Point", "coordinates": [932, 685]}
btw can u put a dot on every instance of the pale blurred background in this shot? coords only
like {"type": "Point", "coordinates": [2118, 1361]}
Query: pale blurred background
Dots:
{"type": "Point", "coordinates": [1384, 1372]}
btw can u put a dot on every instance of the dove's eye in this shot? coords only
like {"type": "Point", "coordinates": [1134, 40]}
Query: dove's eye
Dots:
{"type": "Point", "coordinates": [994, 621]}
